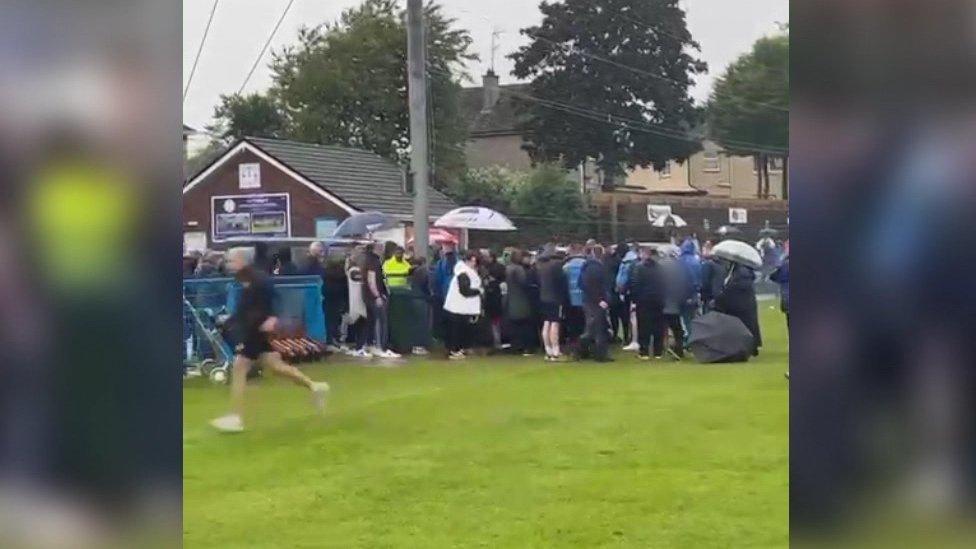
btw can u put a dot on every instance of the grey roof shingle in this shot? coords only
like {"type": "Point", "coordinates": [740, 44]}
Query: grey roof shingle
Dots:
{"type": "Point", "coordinates": [360, 178]}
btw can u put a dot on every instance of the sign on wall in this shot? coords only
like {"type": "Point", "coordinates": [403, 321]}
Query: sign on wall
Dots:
{"type": "Point", "coordinates": [249, 176]}
{"type": "Point", "coordinates": [655, 211]}
{"type": "Point", "coordinates": [250, 216]}
{"type": "Point", "coordinates": [738, 216]}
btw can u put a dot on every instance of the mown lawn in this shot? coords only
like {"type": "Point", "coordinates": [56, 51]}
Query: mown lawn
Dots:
{"type": "Point", "coordinates": [499, 452]}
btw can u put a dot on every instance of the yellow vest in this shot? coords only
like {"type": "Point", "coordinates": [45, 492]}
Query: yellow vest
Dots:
{"type": "Point", "coordinates": [396, 271]}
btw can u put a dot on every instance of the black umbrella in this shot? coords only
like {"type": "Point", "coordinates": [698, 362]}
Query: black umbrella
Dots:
{"type": "Point", "coordinates": [717, 337]}
{"type": "Point", "coordinates": [362, 224]}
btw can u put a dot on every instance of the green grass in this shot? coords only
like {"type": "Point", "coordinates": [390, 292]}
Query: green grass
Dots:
{"type": "Point", "coordinates": [499, 452]}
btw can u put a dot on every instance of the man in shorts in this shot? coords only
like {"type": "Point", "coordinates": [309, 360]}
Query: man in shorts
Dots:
{"type": "Point", "coordinates": [553, 292]}
{"type": "Point", "coordinates": [254, 322]}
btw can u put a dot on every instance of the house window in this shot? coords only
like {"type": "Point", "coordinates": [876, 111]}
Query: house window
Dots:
{"type": "Point", "coordinates": [665, 172]}
{"type": "Point", "coordinates": [711, 162]}
{"type": "Point", "coordinates": [774, 163]}
{"type": "Point", "coordinates": [325, 226]}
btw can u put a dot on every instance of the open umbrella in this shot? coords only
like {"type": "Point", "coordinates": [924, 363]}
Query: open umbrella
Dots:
{"type": "Point", "coordinates": [768, 231]}
{"type": "Point", "coordinates": [473, 217]}
{"type": "Point", "coordinates": [669, 220]}
{"type": "Point", "coordinates": [726, 230]}
{"type": "Point", "coordinates": [717, 337]}
{"type": "Point", "coordinates": [737, 251]}
{"type": "Point", "coordinates": [439, 236]}
{"type": "Point", "coordinates": [363, 224]}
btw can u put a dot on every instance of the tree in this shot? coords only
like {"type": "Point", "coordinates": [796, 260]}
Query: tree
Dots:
{"type": "Point", "coordinates": [491, 187]}
{"type": "Point", "coordinates": [345, 83]}
{"type": "Point", "coordinates": [253, 115]}
{"type": "Point", "coordinates": [546, 198]}
{"type": "Point", "coordinates": [610, 81]}
{"type": "Point", "coordinates": [748, 111]}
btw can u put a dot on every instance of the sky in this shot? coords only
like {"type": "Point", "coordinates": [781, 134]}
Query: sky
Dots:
{"type": "Point", "coordinates": [725, 29]}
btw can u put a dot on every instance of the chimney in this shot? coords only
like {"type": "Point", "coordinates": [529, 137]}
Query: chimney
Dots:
{"type": "Point", "coordinates": [491, 93]}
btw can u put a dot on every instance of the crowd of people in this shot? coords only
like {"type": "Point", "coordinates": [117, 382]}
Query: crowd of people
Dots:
{"type": "Point", "coordinates": [571, 301]}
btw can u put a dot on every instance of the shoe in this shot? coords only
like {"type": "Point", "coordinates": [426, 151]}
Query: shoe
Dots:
{"type": "Point", "coordinates": [559, 358]}
{"type": "Point", "coordinates": [658, 357]}
{"type": "Point", "coordinates": [319, 390]}
{"type": "Point", "coordinates": [644, 357]}
{"type": "Point", "coordinates": [631, 347]}
{"type": "Point", "coordinates": [360, 353]}
{"type": "Point", "coordinates": [420, 351]}
{"type": "Point", "coordinates": [390, 354]}
{"type": "Point", "coordinates": [527, 354]}
{"type": "Point", "coordinates": [231, 423]}
{"type": "Point", "coordinates": [787, 376]}
{"type": "Point", "coordinates": [457, 356]}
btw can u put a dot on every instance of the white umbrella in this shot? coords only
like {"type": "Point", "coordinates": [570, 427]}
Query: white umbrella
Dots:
{"type": "Point", "coordinates": [670, 220]}
{"type": "Point", "coordinates": [478, 218]}
{"type": "Point", "coordinates": [738, 252]}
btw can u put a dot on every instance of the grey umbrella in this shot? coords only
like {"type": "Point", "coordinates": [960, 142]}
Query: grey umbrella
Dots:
{"type": "Point", "coordinates": [717, 337]}
{"type": "Point", "coordinates": [362, 224]}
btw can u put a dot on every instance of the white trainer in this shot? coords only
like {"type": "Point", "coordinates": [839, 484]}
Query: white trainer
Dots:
{"type": "Point", "coordinates": [420, 351]}
{"type": "Point", "coordinates": [319, 390]}
{"type": "Point", "coordinates": [632, 346]}
{"type": "Point", "coordinates": [231, 423]}
{"type": "Point", "coordinates": [390, 354]}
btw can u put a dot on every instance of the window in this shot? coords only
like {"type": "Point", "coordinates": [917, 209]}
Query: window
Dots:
{"type": "Point", "coordinates": [774, 163]}
{"type": "Point", "coordinates": [325, 226]}
{"type": "Point", "coordinates": [665, 172]}
{"type": "Point", "coordinates": [711, 162]}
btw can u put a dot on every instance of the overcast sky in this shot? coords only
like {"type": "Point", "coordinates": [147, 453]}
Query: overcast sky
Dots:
{"type": "Point", "coordinates": [725, 29]}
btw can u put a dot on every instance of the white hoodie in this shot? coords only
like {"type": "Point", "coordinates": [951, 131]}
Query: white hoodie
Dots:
{"type": "Point", "coordinates": [457, 303]}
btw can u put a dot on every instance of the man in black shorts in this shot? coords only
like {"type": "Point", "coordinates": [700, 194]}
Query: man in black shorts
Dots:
{"type": "Point", "coordinates": [552, 298]}
{"type": "Point", "coordinates": [254, 322]}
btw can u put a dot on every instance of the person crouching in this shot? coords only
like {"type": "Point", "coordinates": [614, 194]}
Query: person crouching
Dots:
{"type": "Point", "coordinates": [463, 304]}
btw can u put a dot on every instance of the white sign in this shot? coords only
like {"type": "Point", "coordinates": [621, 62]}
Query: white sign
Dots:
{"type": "Point", "coordinates": [195, 241]}
{"type": "Point", "coordinates": [738, 216]}
{"type": "Point", "coordinates": [249, 176]}
{"type": "Point", "coordinates": [655, 211]}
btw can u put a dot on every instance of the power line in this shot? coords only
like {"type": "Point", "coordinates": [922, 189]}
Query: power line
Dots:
{"type": "Point", "coordinates": [203, 41]}
{"type": "Point", "coordinates": [267, 44]}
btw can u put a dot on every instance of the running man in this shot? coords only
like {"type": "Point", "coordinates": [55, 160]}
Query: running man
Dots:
{"type": "Point", "coordinates": [254, 322]}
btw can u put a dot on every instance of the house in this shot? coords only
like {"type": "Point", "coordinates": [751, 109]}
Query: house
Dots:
{"type": "Point", "coordinates": [710, 189]}
{"type": "Point", "coordinates": [275, 189]}
{"type": "Point", "coordinates": [494, 140]}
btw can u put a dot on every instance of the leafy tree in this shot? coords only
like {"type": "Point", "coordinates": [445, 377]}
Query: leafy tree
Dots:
{"type": "Point", "coordinates": [545, 197]}
{"type": "Point", "coordinates": [748, 112]}
{"type": "Point", "coordinates": [345, 83]}
{"type": "Point", "coordinates": [252, 115]}
{"type": "Point", "coordinates": [203, 157]}
{"type": "Point", "coordinates": [610, 81]}
{"type": "Point", "coordinates": [491, 187]}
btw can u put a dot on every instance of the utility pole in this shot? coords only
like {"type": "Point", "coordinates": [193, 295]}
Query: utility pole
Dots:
{"type": "Point", "coordinates": [417, 89]}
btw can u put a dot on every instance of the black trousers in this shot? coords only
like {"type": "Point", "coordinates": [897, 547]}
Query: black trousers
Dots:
{"type": "Point", "coordinates": [677, 330]}
{"type": "Point", "coordinates": [620, 316]}
{"type": "Point", "coordinates": [460, 328]}
{"type": "Point", "coordinates": [523, 334]}
{"type": "Point", "coordinates": [650, 326]}
{"type": "Point", "coordinates": [594, 340]}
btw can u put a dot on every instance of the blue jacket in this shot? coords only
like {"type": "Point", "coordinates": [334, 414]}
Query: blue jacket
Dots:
{"type": "Point", "coordinates": [626, 266]}
{"type": "Point", "coordinates": [574, 270]}
{"type": "Point", "coordinates": [443, 273]}
{"type": "Point", "coordinates": [692, 263]}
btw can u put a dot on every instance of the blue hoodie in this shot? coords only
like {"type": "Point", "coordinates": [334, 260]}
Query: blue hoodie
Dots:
{"type": "Point", "coordinates": [443, 273]}
{"type": "Point", "coordinates": [692, 263]}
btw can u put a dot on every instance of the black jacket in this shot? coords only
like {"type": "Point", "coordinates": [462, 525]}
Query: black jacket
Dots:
{"type": "Point", "coordinates": [738, 298]}
{"type": "Point", "coordinates": [553, 287]}
{"type": "Point", "coordinates": [646, 283]}
{"type": "Point", "coordinates": [255, 305]}
{"type": "Point", "coordinates": [594, 281]}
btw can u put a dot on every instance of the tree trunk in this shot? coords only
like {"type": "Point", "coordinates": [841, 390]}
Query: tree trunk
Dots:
{"type": "Point", "coordinates": [786, 177]}
{"type": "Point", "coordinates": [759, 159]}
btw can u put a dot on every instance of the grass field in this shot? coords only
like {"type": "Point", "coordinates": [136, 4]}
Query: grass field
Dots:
{"type": "Point", "coordinates": [499, 452]}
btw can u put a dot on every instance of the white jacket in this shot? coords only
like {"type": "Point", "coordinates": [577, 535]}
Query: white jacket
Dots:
{"type": "Point", "coordinates": [357, 308]}
{"type": "Point", "coordinates": [457, 303]}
